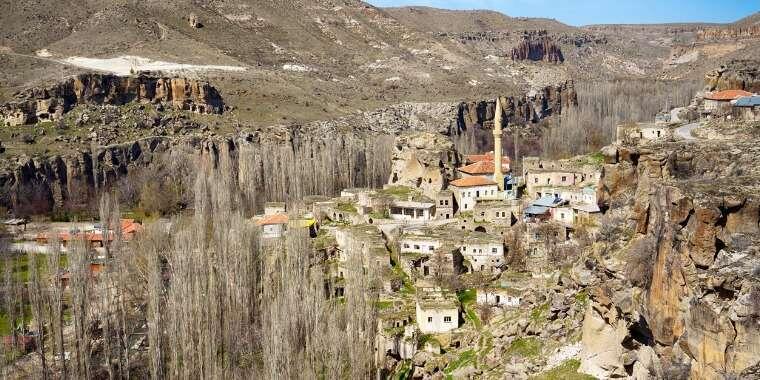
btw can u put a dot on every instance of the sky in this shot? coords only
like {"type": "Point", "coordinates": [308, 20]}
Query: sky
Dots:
{"type": "Point", "coordinates": [585, 12]}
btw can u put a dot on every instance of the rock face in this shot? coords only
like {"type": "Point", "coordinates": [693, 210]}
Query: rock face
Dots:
{"type": "Point", "coordinates": [732, 33]}
{"type": "Point", "coordinates": [739, 74]}
{"type": "Point", "coordinates": [424, 160]}
{"type": "Point", "coordinates": [519, 110]}
{"type": "Point", "coordinates": [692, 262]}
{"type": "Point", "coordinates": [543, 49]}
{"type": "Point", "coordinates": [40, 104]}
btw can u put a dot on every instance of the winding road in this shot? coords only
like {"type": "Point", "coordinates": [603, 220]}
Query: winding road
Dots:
{"type": "Point", "coordinates": [685, 131]}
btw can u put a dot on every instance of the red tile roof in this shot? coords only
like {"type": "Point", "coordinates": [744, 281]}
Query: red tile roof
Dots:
{"type": "Point", "coordinates": [273, 219]}
{"type": "Point", "coordinates": [472, 181]}
{"type": "Point", "coordinates": [483, 167]}
{"type": "Point", "coordinates": [488, 156]}
{"type": "Point", "coordinates": [728, 95]}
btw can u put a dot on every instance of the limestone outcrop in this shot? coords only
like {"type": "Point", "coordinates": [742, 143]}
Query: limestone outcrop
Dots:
{"type": "Point", "coordinates": [41, 104]}
{"type": "Point", "coordinates": [543, 49]}
{"type": "Point", "coordinates": [691, 263]}
{"type": "Point", "coordinates": [519, 110]}
{"type": "Point", "coordinates": [424, 160]}
{"type": "Point", "coordinates": [738, 74]}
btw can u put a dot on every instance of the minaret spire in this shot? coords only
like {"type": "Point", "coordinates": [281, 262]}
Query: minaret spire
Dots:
{"type": "Point", "coordinates": [498, 176]}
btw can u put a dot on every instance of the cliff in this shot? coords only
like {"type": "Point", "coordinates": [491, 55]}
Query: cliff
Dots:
{"type": "Point", "coordinates": [530, 108]}
{"type": "Point", "coordinates": [543, 49]}
{"type": "Point", "coordinates": [40, 104]}
{"type": "Point", "coordinates": [737, 74]}
{"type": "Point", "coordinates": [680, 296]}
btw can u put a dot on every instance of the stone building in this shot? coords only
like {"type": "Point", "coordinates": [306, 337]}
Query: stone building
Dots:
{"type": "Point", "coordinates": [437, 310]}
{"type": "Point", "coordinates": [720, 101]}
{"type": "Point", "coordinates": [468, 191]}
{"type": "Point", "coordinates": [483, 252]}
{"type": "Point", "coordinates": [444, 205]}
{"type": "Point", "coordinates": [501, 297]}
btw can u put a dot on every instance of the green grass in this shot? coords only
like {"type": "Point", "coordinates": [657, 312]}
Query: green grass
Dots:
{"type": "Point", "coordinates": [538, 314]}
{"type": "Point", "coordinates": [596, 158]}
{"type": "Point", "coordinates": [466, 357]}
{"type": "Point", "coordinates": [346, 207]}
{"type": "Point", "coordinates": [467, 298]}
{"type": "Point", "coordinates": [525, 347]}
{"type": "Point", "coordinates": [398, 191]}
{"type": "Point", "coordinates": [383, 305]}
{"type": "Point", "coordinates": [581, 298]}
{"type": "Point", "coordinates": [385, 214]}
{"type": "Point", "coordinates": [404, 371]}
{"type": "Point", "coordinates": [565, 371]}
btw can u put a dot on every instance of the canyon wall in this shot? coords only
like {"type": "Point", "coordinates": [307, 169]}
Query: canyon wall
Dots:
{"type": "Point", "coordinates": [41, 104]}
{"type": "Point", "coordinates": [543, 49]}
{"type": "Point", "coordinates": [738, 74]}
{"type": "Point", "coordinates": [682, 296]}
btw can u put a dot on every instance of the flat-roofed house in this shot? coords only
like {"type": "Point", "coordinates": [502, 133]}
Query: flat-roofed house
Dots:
{"type": "Point", "coordinates": [485, 252]}
{"type": "Point", "coordinates": [437, 310]}
{"type": "Point", "coordinates": [412, 210]}
{"type": "Point", "coordinates": [747, 108]}
{"type": "Point", "coordinates": [467, 191]}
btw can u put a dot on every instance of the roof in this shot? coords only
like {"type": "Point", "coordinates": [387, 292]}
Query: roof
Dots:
{"type": "Point", "coordinates": [472, 181]}
{"type": "Point", "coordinates": [727, 95]}
{"type": "Point", "coordinates": [748, 101]}
{"type": "Point", "coordinates": [488, 156]}
{"type": "Point", "coordinates": [547, 201]}
{"type": "Point", "coordinates": [482, 167]}
{"type": "Point", "coordinates": [536, 210]}
{"type": "Point", "coordinates": [273, 219]}
{"type": "Point", "coordinates": [587, 207]}
{"type": "Point", "coordinates": [413, 204]}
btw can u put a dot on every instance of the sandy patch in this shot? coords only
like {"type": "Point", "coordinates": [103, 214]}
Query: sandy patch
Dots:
{"type": "Point", "coordinates": [126, 65]}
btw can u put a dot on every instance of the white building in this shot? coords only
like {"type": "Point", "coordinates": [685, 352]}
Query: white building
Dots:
{"type": "Point", "coordinates": [422, 244]}
{"type": "Point", "coordinates": [437, 311]}
{"type": "Point", "coordinates": [467, 191]}
{"type": "Point", "coordinates": [497, 297]}
{"type": "Point", "coordinates": [273, 226]}
{"type": "Point", "coordinates": [484, 252]}
{"type": "Point", "coordinates": [411, 210]}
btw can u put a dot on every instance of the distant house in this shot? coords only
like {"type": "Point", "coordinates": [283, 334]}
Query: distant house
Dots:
{"type": "Point", "coordinates": [483, 168]}
{"type": "Point", "coordinates": [641, 132]}
{"type": "Point", "coordinates": [273, 226]}
{"type": "Point", "coordinates": [467, 191]}
{"type": "Point", "coordinates": [444, 204]}
{"type": "Point", "coordinates": [720, 100]}
{"type": "Point", "coordinates": [485, 252]}
{"type": "Point", "coordinates": [412, 210]}
{"type": "Point", "coordinates": [497, 297]}
{"type": "Point", "coordinates": [437, 311]}
{"type": "Point", "coordinates": [747, 108]}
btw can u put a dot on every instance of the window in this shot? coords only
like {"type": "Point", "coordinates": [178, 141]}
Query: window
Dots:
{"type": "Point", "coordinates": [477, 193]}
{"type": "Point", "coordinates": [447, 216]}
{"type": "Point", "coordinates": [535, 180]}
{"type": "Point", "coordinates": [447, 203]}
{"type": "Point", "coordinates": [441, 202]}
{"type": "Point", "coordinates": [562, 215]}
{"type": "Point", "coordinates": [465, 206]}
{"type": "Point", "coordinates": [416, 246]}
{"type": "Point", "coordinates": [494, 250]}
{"type": "Point", "coordinates": [431, 248]}
{"type": "Point", "coordinates": [548, 181]}
{"type": "Point", "coordinates": [564, 178]}
{"type": "Point", "coordinates": [430, 319]}
{"type": "Point", "coordinates": [406, 245]}
{"type": "Point", "coordinates": [447, 319]}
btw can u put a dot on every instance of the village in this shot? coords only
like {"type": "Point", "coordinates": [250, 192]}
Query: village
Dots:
{"type": "Point", "coordinates": [449, 255]}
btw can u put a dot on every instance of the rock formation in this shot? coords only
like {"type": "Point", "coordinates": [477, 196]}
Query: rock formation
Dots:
{"type": "Point", "coordinates": [40, 104]}
{"type": "Point", "coordinates": [519, 110]}
{"type": "Point", "coordinates": [543, 49]}
{"type": "Point", "coordinates": [425, 161]}
{"type": "Point", "coordinates": [737, 74]}
{"type": "Point", "coordinates": [691, 293]}
{"type": "Point", "coordinates": [731, 33]}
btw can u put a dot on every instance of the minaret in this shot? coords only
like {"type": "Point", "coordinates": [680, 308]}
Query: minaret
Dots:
{"type": "Point", "coordinates": [498, 176]}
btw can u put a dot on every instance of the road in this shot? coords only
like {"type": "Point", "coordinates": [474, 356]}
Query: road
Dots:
{"type": "Point", "coordinates": [685, 131]}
